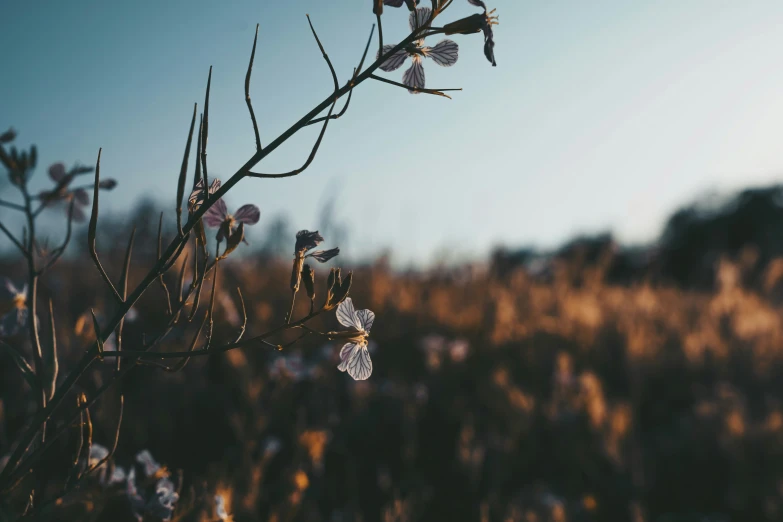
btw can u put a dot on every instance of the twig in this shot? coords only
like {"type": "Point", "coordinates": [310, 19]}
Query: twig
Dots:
{"type": "Point", "coordinates": [59, 251]}
{"type": "Point", "coordinates": [22, 364]}
{"type": "Point", "coordinates": [160, 278]}
{"type": "Point", "coordinates": [437, 92]}
{"type": "Point", "coordinates": [353, 79]}
{"type": "Point", "coordinates": [205, 135]}
{"type": "Point", "coordinates": [124, 290]}
{"type": "Point", "coordinates": [14, 206]}
{"type": "Point", "coordinates": [183, 172]}
{"type": "Point", "coordinates": [15, 241]}
{"type": "Point", "coordinates": [54, 363]}
{"type": "Point", "coordinates": [93, 230]}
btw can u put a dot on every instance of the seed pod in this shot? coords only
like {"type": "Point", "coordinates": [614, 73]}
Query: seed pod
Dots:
{"type": "Point", "coordinates": [98, 339]}
{"type": "Point", "coordinates": [8, 136]}
{"type": "Point", "coordinates": [377, 7]}
{"type": "Point", "coordinates": [468, 25]}
{"type": "Point", "coordinates": [233, 240]}
{"type": "Point", "coordinates": [341, 292]}
{"type": "Point", "coordinates": [308, 277]}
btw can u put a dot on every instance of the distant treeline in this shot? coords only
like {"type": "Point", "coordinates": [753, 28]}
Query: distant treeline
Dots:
{"type": "Point", "coordinates": [746, 227]}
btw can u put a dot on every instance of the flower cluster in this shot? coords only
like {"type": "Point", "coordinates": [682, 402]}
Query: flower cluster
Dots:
{"type": "Point", "coordinates": [13, 303]}
{"type": "Point", "coordinates": [155, 496]}
{"type": "Point", "coordinates": [446, 52]}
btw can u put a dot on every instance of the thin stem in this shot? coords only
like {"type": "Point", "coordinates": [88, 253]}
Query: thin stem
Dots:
{"type": "Point", "coordinates": [15, 241]}
{"type": "Point", "coordinates": [247, 91]}
{"type": "Point", "coordinates": [59, 251]}
{"type": "Point", "coordinates": [183, 172]}
{"type": "Point", "coordinates": [293, 302]}
{"type": "Point", "coordinates": [13, 206]}
{"type": "Point", "coordinates": [91, 233]}
{"type": "Point", "coordinates": [205, 134]}
{"type": "Point", "coordinates": [160, 279]}
{"type": "Point", "coordinates": [437, 92]}
{"type": "Point", "coordinates": [124, 290]}
{"type": "Point", "coordinates": [380, 34]}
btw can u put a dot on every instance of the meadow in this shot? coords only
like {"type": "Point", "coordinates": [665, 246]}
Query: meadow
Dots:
{"type": "Point", "coordinates": [493, 397]}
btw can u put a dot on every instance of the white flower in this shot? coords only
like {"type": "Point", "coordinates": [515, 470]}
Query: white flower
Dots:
{"type": "Point", "coordinates": [220, 509]}
{"type": "Point", "coordinates": [445, 53]}
{"type": "Point", "coordinates": [354, 355]}
{"type": "Point", "coordinates": [151, 466]}
{"type": "Point", "coordinates": [97, 454]}
{"type": "Point", "coordinates": [117, 475]}
{"type": "Point", "coordinates": [196, 198]}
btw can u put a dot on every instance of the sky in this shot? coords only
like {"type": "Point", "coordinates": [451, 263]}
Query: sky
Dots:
{"type": "Point", "coordinates": [603, 115]}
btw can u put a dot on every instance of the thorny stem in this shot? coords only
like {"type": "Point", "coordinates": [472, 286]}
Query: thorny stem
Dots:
{"type": "Point", "coordinates": [13, 470]}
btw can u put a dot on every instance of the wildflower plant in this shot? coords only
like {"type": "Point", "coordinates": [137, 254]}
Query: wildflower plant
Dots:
{"type": "Point", "coordinates": [59, 406]}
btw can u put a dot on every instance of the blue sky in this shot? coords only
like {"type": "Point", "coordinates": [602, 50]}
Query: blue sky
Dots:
{"type": "Point", "coordinates": [600, 115]}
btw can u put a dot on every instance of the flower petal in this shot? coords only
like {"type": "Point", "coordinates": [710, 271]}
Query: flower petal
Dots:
{"type": "Point", "coordinates": [78, 214]}
{"type": "Point", "coordinates": [478, 3]}
{"type": "Point", "coordinates": [414, 76]}
{"type": "Point", "coordinates": [393, 3]}
{"type": "Point", "coordinates": [445, 53]}
{"type": "Point", "coordinates": [216, 214]}
{"type": "Point", "coordinates": [358, 365]}
{"type": "Point", "coordinates": [57, 172]}
{"type": "Point", "coordinates": [12, 322]}
{"type": "Point", "coordinates": [489, 46]}
{"type": "Point", "coordinates": [248, 214]}
{"type": "Point", "coordinates": [9, 290]}
{"type": "Point", "coordinates": [306, 240]}
{"type": "Point", "coordinates": [151, 466]}
{"type": "Point", "coordinates": [346, 314]}
{"type": "Point", "coordinates": [345, 354]}
{"type": "Point", "coordinates": [393, 62]}
{"type": "Point", "coordinates": [419, 17]}
{"type": "Point", "coordinates": [81, 196]}
{"type": "Point", "coordinates": [366, 318]}
{"type": "Point", "coordinates": [322, 256]}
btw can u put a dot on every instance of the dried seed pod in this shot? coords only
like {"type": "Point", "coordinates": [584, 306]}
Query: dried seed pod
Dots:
{"type": "Point", "coordinates": [233, 240]}
{"type": "Point", "coordinates": [468, 25]}
{"type": "Point", "coordinates": [8, 136]}
{"type": "Point", "coordinates": [308, 278]}
{"type": "Point", "coordinates": [341, 292]}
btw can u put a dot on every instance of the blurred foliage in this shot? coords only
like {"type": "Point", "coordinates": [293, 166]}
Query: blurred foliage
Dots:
{"type": "Point", "coordinates": [554, 387]}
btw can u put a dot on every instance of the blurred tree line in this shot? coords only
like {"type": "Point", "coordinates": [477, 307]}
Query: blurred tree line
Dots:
{"type": "Point", "coordinates": [746, 227]}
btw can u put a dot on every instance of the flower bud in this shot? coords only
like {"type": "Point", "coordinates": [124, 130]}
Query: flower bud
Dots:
{"type": "Point", "coordinates": [8, 136]}
{"type": "Point", "coordinates": [232, 242]}
{"type": "Point", "coordinates": [469, 25]}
